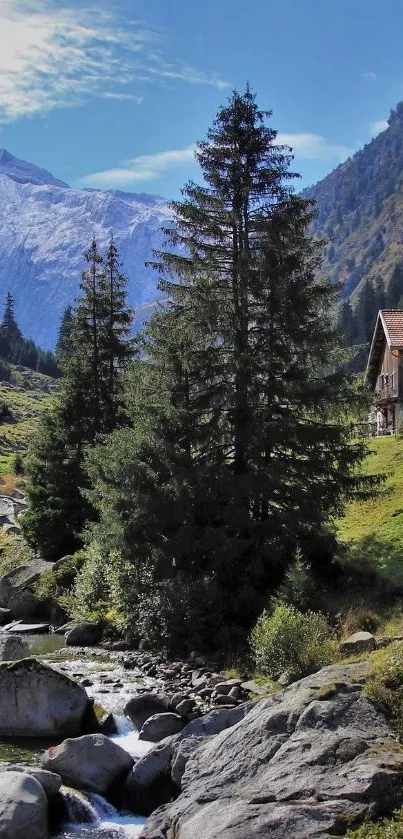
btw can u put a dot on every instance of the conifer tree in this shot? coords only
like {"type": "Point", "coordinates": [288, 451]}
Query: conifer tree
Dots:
{"type": "Point", "coordinates": [86, 410]}
{"type": "Point", "coordinates": [10, 328]}
{"type": "Point", "coordinates": [63, 345]}
{"type": "Point", "coordinates": [239, 453]}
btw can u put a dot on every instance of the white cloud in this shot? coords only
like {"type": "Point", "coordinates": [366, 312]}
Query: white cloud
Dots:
{"type": "Point", "coordinates": [55, 54]}
{"type": "Point", "coordinates": [314, 147]}
{"type": "Point", "coordinates": [377, 126]}
{"type": "Point", "coordinates": [145, 167]}
{"type": "Point", "coordinates": [122, 97]}
{"type": "Point", "coordinates": [370, 76]}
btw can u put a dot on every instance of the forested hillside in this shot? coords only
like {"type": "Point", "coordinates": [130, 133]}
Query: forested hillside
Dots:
{"type": "Point", "coordinates": [360, 211]}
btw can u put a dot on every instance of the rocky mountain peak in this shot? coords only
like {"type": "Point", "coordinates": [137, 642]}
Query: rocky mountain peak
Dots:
{"type": "Point", "coordinates": [26, 173]}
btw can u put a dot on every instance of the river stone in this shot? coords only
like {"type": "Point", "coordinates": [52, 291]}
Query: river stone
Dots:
{"type": "Point", "coordinates": [21, 577]}
{"type": "Point", "coordinates": [159, 726]}
{"type": "Point", "coordinates": [46, 703]}
{"type": "Point", "coordinates": [24, 605]}
{"type": "Point", "coordinates": [48, 780]}
{"type": "Point", "coordinates": [360, 642]}
{"type": "Point", "coordinates": [12, 648]}
{"type": "Point", "coordinates": [149, 784]}
{"type": "Point", "coordinates": [303, 762]}
{"type": "Point", "coordinates": [5, 616]}
{"type": "Point", "coordinates": [91, 762]}
{"type": "Point", "coordinates": [23, 807]}
{"type": "Point", "coordinates": [140, 708]}
{"type": "Point", "coordinates": [84, 634]}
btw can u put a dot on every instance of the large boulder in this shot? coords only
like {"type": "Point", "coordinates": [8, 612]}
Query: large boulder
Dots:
{"type": "Point", "coordinates": [91, 762]}
{"type": "Point", "coordinates": [304, 762]}
{"type": "Point", "coordinates": [5, 616]}
{"type": "Point", "coordinates": [25, 605]}
{"type": "Point", "coordinates": [48, 780]}
{"type": "Point", "coordinates": [20, 578]}
{"type": "Point", "coordinates": [159, 726]}
{"type": "Point", "coordinates": [140, 708]}
{"type": "Point", "coordinates": [23, 807]}
{"type": "Point", "coordinates": [360, 642]}
{"type": "Point", "coordinates": [84, 634]}
{"type": "Point", "coordinates": [12, 647]}
{"type": "Point", "coordinates": [45, 703]}
{"type": "Point", "coordinates": [149, 784]}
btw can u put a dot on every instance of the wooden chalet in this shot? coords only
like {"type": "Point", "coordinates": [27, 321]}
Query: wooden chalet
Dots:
{"type": "Point", "coordinates": [384, 374]}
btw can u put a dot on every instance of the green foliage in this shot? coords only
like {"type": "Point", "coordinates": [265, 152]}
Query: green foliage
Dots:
{"type": "Point", "coordinates": [299, 587]}
{"type": "Point", "coordinates": [292, 641]}
{"type": "Point", "coordinates": [89, 406]}
{"type": "Point", "coordinates": [18, 466]}
{"type": "Point", "coordinates": [391, 828]}
{"type": "Point", "coordinates": [373, 530]}
{"type": "Point", "coordinates": [385, 686]}
{"type": "Point", "coordinates": [238, 451]}
{"type": "Point", "coordinates": [18, 350]}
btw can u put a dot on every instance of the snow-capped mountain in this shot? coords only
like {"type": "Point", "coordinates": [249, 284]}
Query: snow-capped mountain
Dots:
{"type": "Point", "coordinates": [45, 227]}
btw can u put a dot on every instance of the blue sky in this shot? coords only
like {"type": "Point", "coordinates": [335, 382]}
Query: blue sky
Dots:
{"type": "Point", "coordinates": [114, 94]}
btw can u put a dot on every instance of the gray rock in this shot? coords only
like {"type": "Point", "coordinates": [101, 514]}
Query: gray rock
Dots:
{"type": "Point", "coordinates": [23, 807]}
{"type": "Point", "coordinates": [149, 784]}
{"type": "Point", "coordinates": [12, 647]}
{"type": "Point", "coordinates": [27, 628]}
{"type": "Point", "coordinates": [159, 726]}
{"type": "Point", "coordinates": [358, 643]}
{"type": "Point", "coordinates": [182, 751]}
{"type": "Point", "coordinates": [140, 708]}
{"type": "Point", "coordinates": [48, 780]}
{"type": "Point", "coordinates": [24, 605]}
{"type": "Point", "coordinates": [84, 635]}
{"type": "Point", "coordinates": [90, 762]}
{"type": "Point", "coordinates": [185, 707]}
{"type": "Point", "coordinates": [21, 577]}
{"type": "Point", "coordinates": [225, 687]}
{"type": "Point", "coordinates": [46, 703]}
{"type": "Point", "coordinates": [303, 762]}
{"type": "Point", "coordinates": [5, 616]}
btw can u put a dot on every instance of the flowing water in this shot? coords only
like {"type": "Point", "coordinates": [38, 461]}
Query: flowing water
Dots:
{"type": "Point", "coordinates": [89, 816]}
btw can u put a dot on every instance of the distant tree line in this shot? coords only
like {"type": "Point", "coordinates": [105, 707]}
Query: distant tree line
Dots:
{"type": "Point", "coordinates": [356, 323]}
{"type": "Point", "coordinates": [16, 349]}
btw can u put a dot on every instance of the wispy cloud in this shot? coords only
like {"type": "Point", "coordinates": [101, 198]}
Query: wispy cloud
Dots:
{"type": "Point", "coordinates": [55, 54]}
{"type": "Point", "coordinates": [314, 147]}
{"type": "Point", "coordinates": [122, 97]}
{"type": "Point", "coordinates": [145, 167]}
{"type": "Point", "coordinates": [377, 126]}
{"type": "Point", "coordinates": [371, 77]}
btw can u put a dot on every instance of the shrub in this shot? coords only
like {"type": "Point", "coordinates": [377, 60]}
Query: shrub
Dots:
{"type": "Point", "coordinates": [298, 587]}
{"type": "Point", "coordinates": [17, 465]}
{"type": "Point", "coordinates": [5, 410]}
{"type": "Point", "coordinates": [385, 687]}
{"type": "Point", "coordinates": [289, 640]}
{"type": "Point", "coordinates": [391, 828]}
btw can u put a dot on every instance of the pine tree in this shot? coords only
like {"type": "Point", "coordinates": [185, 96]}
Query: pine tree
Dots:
{"type": "Point", "coordinates": [86, 410]}
{"type": "Point", "coordinates": [115, 347]}
{"type": "Point", "coordinates": [9, 325]}
{"type": "Point", "coordinates": [63, 345]}
{"type": "Point", "coordinates": [239, 452]}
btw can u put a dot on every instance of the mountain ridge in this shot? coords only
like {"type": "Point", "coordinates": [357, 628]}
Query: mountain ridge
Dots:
{"type": "Point", "coordinates": [47, 225]}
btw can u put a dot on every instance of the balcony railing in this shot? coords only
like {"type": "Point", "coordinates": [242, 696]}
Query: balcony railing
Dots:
{"type": "Point", "coordinates": [385, 394]}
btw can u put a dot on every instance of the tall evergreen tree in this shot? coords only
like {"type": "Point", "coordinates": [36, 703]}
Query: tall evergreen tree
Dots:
{"type": "Point", "coordinates": [9, 325]}
{"type": "Point", "coordinates": [242, 453]}
{"type": "Point", "coordinates": [63, 344]}
{"type": "Point", "coordinates": [85, 412]}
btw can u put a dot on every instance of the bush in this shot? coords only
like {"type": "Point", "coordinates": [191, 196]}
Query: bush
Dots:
{"type": "Point", "coordinates": [17, 465]}
{"type": "Point", "coordinates": [385, 687]}
{"type": "Point", "coordinates": [299, 588]}
{"type": "Point", "coordinates": [5, 411]}
{"type": "Point", "coordinates": [289, 640]}
{"type": "Point", "coordinates": [391, 828]}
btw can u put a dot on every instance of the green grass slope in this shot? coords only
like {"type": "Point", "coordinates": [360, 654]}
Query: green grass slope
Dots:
{"type": "Point", "coordinates": [25, 397]}
{"type": "Point", "coordinates": [373, 529]}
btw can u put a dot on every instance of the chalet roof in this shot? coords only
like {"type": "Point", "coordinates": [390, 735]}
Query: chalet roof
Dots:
{"type": "Point", "coordinates": [389, 328]}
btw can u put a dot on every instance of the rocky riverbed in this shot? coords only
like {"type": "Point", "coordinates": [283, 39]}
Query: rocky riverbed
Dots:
{"type": "Point", "coordinates": [177, 751]}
